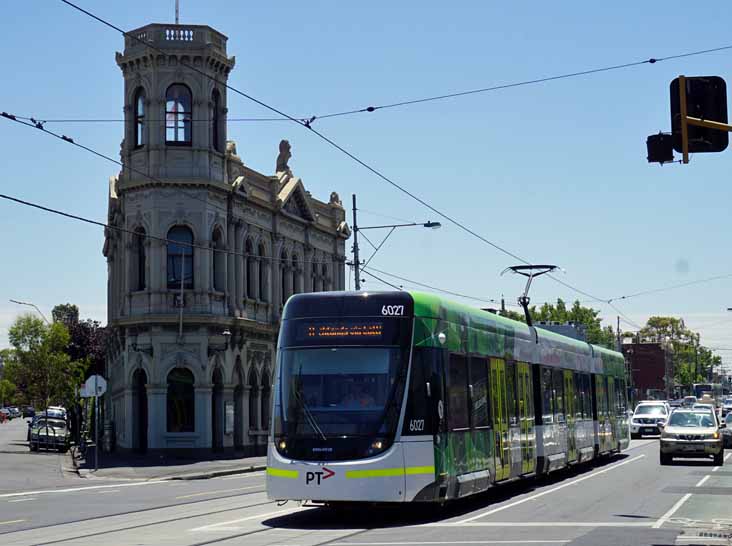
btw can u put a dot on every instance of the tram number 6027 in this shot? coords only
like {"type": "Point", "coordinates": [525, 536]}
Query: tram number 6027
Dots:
{"type": "Point", "coordinates": [392, 310]}
{"type": "Point", "coordinates": [416, 425]}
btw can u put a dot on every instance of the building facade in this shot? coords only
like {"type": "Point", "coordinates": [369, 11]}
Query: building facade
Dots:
{"type": "Point", "coordinates": [651, 369]}
{"type": "Point", "coordinates": [202, 254]}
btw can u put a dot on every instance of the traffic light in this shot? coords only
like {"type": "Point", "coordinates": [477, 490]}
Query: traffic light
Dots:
{"type": "Point", "coordinates": [660, 148]}
{"type": "Point", "coordinates": [706, 98]}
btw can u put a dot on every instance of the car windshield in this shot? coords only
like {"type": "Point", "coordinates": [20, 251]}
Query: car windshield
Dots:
{"type": "Point", "coordinates": [655, 409]}
{"type": "Point", "coordinates": [728, 402]}
{"type": "Point", "coordinates": [54, 423]}
{"type": "Point", "coordinates": [691, 419]}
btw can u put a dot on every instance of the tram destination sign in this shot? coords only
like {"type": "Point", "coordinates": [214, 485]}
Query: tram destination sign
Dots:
{"type": "Point", "coordinates": [345, 331]}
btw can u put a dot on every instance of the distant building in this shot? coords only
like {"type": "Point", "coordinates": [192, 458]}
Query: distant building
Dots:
{"type": "Point", "coordinates": [651, 368]}
{"type": "Point", "coordinates": [211, 251]}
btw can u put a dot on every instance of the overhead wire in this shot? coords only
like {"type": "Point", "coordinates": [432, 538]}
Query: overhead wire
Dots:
{"type": "Point", "coordinates": [308, 123]}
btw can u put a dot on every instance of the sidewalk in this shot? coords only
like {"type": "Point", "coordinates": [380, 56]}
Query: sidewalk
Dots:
{"type": "Point", "coordinates": [114, 466]}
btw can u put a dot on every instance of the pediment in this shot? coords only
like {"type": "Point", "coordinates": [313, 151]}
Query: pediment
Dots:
{"type": "Point", "coordinates": [295, 201]}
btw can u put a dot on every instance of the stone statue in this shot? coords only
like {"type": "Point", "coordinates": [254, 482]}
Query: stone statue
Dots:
{"type": "Point", "coordinates": [284, 157]}
{"type": "Point", "coordinates": [335, 199]}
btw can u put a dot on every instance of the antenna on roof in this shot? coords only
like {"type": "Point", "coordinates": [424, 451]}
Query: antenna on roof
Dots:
{"type": "Point", "coordinates": [529, 271]}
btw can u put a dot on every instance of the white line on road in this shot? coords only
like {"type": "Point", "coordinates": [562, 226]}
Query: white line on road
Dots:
{"type": "Point", "coordinates": [12, 521]}
{"type": "Point", "coordinates": [703, 480]}
{"type": "Point", "coordinates": [664, 518]}
{"type": "Point", "coordinates": [23, 500]}
{"type": "Point", "coordinates": [449, 542]}
{"type": "Point", "coordinates": [217, 492]}
{"type": "Point", "coordinates": [109, 491]}
{"type": "Point", "coordinates": [552, 490]}
{"type": "Point", "coordinates": [226, 525]}
{"type": "Point", "coordinates": [519, 524]}
{"type": "Point", "coordinates": [74, 489]}
{"type": "Point", "coordinates": [242, 476]}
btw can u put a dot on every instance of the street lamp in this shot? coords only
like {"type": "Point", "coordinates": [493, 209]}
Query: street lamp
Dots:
{"type": "Point", "coordinates": [31, 305]}
{"type": "Point", "coordinates": [391, 227]}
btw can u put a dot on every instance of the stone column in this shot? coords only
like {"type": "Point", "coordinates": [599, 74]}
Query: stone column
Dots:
{"type": "Point", "coordinates": [276, 276]}
{"type": "Point", "coordinates": [157, 416]}
{"type": "Point", "coordinates": [239, 260]}
{"type": "Point", "coordinates": [307, 268]}
{"type": "Point", "coordinates": [203, 416]}
{"type": "Point", "coordinates": [202, 263]}
{"type": "Point", "coordinates": [256, 264]}
{"type": "Point", "coordinates": [127, 441]}
{"type": "Point", "coordinates": [245, 438]}
{"type": "Point", "coordinates": [227, 395]}
{"type": "Point", "coordinates": [231, 269]}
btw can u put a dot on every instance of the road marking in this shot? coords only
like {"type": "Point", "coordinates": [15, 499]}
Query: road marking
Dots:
{"type": "Point", "coordinates": [544, 524]}
{"type": "Point", "coordinates": [664, 518]}
{"type": "Point", "coordinates": [108, 491]}
{"type": "Point", "coordinates": [12, 521]}
{"type": "Point", "coordinates": [202, 493]}
{"type": "Point", "coordinates": [449, 542]}
{"type": "Point", "coordinates": [703, 480]}
{"type": "Point", "coordinates": [446, 542]}
{"type": "Point", "coordinates": [75, 489]}
{"type": "Point", "coordinates": [226, 525]}
{"type": "Point", "coordinates": [552, 490]}
{"type": "Point", "coordinates": [242, 476]}
{"type": "Point", "coordinates": [23, 500]}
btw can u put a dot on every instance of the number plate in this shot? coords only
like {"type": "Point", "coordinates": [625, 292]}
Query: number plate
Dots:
{"type": "Point", "coordinates": [650, 430]}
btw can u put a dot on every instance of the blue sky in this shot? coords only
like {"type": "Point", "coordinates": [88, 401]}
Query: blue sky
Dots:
{"type": "Point", "coordinates": [555, 172]}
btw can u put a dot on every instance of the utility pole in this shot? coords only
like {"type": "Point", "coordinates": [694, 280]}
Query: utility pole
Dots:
{"type": "Point", "coordinates": [356, 262]}
{"type": "Point", "coordinates": [177, 11]}
{"type": "Point", "coordinates": [620, 347]}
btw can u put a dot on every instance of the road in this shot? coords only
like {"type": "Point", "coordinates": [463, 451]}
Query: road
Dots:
{"type": "Point", "coordinates": [626, 500]}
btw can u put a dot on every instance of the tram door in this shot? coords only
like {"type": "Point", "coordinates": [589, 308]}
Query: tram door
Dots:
{"type": "Point", "coordinates": [612, 412]}
{"type": "Point", "coordinates": [526, 416]}
{"type": "Point", "coordinates": [571, 404]}
{"type": "Point", "coordinates": [500, 418]}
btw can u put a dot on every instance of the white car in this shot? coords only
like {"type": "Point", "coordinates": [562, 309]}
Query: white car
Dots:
{"type": "Point", "coordinates": [646, 417]}
{"type": "Point", "coordinates": [726, 406]}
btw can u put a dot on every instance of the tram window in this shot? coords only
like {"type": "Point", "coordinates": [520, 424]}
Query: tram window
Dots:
{"type": "Point", "coordinates": [558, 377]}
{"type": "Point", "coordinates": [546, 395]}
{"type": "Point", "coordinates": [587, 396]}
{"type": "Point", "coordinates": [458, 417]}
{"type": "Point", "coordinates": [418, 403]}
{"type": "Point", "coordinates": [479, 381]}
{"type": "Point", "coordinates": [579, 400]}
{"type": "Point", "coordinates": [511, 396]}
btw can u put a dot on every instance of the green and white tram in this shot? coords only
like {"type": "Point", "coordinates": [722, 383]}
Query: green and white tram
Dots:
{"type": "Point", "coordinates": [404, 396]}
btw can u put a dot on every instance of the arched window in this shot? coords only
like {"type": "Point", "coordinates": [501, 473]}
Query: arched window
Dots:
{"type": "Point", "coordinates": [264, 399]}
{"type": "Point", "coordinates": [180, 257]}
{"type": "Point", "coordinates": [262, 273]}
{"type": "Point", "coordinates": [253, 402]}
{"type": "Point", "coordinates": [139, 257]}
{"type": "Point", "coordinates": [178, 112]}
{"type": "Point", "coordinates": [283, 277]}
{"type": "Point", "coordinates": [250, 263]}
{"type": "Point", "coordinates": [219, 259]}
{"type": "Point", "coordinates": [139, 128]}
{"type": "Point", "coordinates": [215, 125]}
{"type": "Point", "coordinates": [181, 401]}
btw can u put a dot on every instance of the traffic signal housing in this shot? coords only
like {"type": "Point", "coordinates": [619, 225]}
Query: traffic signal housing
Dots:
{"type": "Point", "coordinates": [660, 148]}
{"type": "Point", "coordinates": [706, 99]}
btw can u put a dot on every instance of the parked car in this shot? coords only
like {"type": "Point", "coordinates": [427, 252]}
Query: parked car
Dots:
{"type": "Point", "coordinates": [646, 417]}
{"type": "Point", "coordinates": [691, 433]}
{"type": "Point", "coordinates": [726, 406]}
{"type": "Point", "coordinates": [15, 411]}
{"type": "Point", "coordinates": [28, 411]}
{"type": "Point", "coordinates": [727, 431]}
{"type": "Point", "coordinates": [49, 433]}
{"type": "Point", "coordinates": [6, 413]}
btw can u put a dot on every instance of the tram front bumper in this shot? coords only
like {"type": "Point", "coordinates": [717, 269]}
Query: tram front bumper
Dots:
{"type": "Point", "coordinates": [383, 478]}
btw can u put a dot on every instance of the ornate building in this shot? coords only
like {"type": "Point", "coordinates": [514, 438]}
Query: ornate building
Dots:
{"type": "Point", "coordinates": [207, 253]}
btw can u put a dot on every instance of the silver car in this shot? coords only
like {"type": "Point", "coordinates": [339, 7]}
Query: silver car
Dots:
{"type": "Point", "coordinates": [49, 433]}
{"type": "Point", "coordinates": [727, 431]}
{"type": "Point", "coordinates": [691, 433]}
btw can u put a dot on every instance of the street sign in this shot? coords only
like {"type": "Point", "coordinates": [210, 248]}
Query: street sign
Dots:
{"type": "Point", "coordinates": [96, 385]}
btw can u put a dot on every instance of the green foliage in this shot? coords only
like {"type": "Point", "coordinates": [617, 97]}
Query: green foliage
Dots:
{"type": "Point", "coordinates": [41, 367]}
{"type": "Point", "coordinates": [7, 390]}
{"type": "Point", "coordinates": [67, 313]}
{"type": "Point", "coordinates": [577, 314]}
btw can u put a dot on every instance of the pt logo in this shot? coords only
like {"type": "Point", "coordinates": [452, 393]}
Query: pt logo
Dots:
{"type": "Point", "coordinates": [317, 477]}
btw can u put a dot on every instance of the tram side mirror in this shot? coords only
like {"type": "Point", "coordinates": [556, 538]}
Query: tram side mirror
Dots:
{"type": "Point", "coordinates": [429, 389]}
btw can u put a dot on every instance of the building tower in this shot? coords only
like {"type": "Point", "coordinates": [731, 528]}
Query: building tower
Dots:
{"type": "Point", "coordinates": [207, 253]}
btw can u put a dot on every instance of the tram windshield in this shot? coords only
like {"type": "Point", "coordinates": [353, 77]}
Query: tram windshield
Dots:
{"type": "Point", "coordinates": [338, 391]}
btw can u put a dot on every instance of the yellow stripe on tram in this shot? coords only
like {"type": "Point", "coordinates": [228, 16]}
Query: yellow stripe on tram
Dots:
{"type": "Point", "coordinates": [389, 472]}
{"type": "Point", "coordinates": [281, 473]}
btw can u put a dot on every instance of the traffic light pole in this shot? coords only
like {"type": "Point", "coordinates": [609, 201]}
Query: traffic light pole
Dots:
{"type": "Point", "coordinates": [356, 262]}
{"type": "Point", "coordinates": [686, 121]}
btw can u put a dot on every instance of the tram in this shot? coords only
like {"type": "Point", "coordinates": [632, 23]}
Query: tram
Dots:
{"type": "Point", "coordinates": [408, 397]}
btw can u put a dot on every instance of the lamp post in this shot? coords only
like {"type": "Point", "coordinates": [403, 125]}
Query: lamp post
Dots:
{"type": "Point", "coordinates": [356, 259]}
{"type": "Point", "coordinates": [31, 305]}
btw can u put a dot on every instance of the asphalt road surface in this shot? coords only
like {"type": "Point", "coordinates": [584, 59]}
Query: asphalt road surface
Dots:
{"type": "Point", "coordinates": [626, 500]}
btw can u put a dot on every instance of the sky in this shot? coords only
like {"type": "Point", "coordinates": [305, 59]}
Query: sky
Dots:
{"type": "Point", "coordinates": [553, 172]}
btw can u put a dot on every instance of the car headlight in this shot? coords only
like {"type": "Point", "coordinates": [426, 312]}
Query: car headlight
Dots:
{"type": "Point", "coordinates": [712, 436]}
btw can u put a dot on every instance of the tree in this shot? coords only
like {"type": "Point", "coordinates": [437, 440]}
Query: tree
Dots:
{"type": "Point", "coordinates": [7, 390]}
{"type": "Point", "coordinates": [88, 337]}
{"type": "Point", "coordinates": [587, 317]}
{"type": "Point", "coordinates": [41, 364]}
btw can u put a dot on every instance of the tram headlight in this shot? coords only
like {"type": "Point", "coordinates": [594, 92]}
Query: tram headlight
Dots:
{"type": "Point", "coordinates": [282, 445]}
{"type": "Point", "coordinates": [377, 445]}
